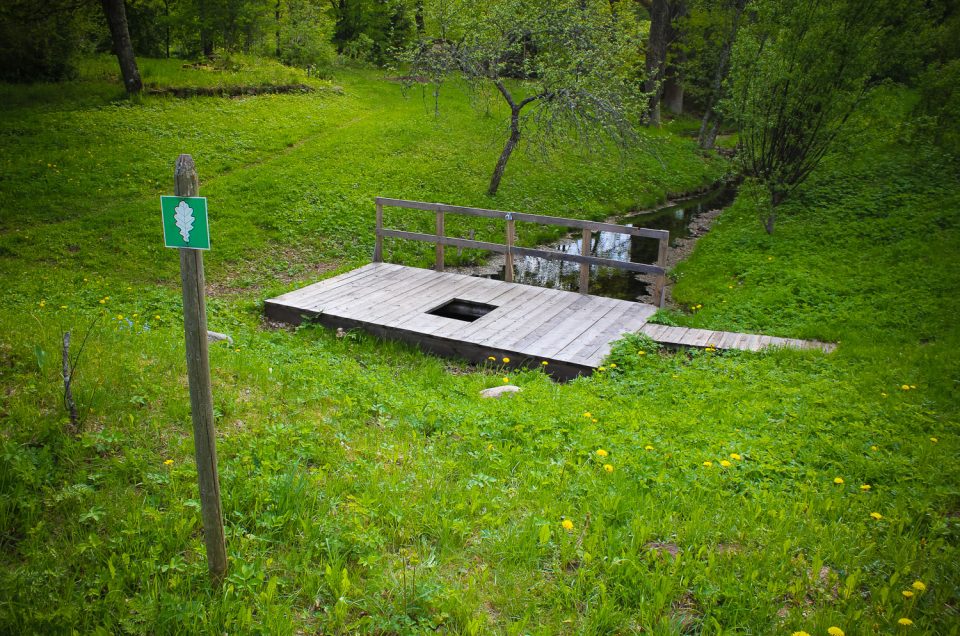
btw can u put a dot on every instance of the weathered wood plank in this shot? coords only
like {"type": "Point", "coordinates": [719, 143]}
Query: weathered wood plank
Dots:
{"type": "Point", "coordinates": [591, 338]}
{"type": "Point", "coordinates": [576, 324]}
{"type": "Point", "coordinates": [384, 282]}
{"type": "Point", "coordinates": [549, 305]}
{"type": "Point", "coordinates": [297, 295]}
{"type": "Point", "coordinates": [547, 323]}
{"type": "Point", "coordinates": [596, 226]}
{"type": "Point", "coordinates": [486, 329]}
{"type": "Point", "coordinates": [414, 293]}
{"type": "Point", "coordinates": [573, 332]}
{"type": "Point", "coordinates": [445, 240]}
{"type": "Point", "coordinates": [631, 323]}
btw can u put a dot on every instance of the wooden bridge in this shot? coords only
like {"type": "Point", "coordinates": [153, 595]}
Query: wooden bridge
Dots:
{"type": "Point", "coordinates": [476, 318]}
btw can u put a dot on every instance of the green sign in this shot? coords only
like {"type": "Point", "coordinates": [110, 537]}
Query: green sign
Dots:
{"type": "Point", "coordinates": [185, 222]}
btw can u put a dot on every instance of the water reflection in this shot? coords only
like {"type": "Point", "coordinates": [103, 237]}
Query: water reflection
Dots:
{"type": "Point", "coordinates": [606, 281]}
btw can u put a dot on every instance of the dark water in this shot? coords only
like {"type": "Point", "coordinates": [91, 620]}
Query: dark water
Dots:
{"type": "Point", "coordinates": [607, 281]}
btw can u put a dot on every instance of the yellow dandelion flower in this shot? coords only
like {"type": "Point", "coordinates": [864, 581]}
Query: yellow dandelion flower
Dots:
{"type": "Point", "coordinates": [838, 480]}
{"type": "Point", "coordinates": [602, 453]}
{"type": "Point", "coordinates": [601, 369]}
{"type": "Point", "coordinates": [594, 420]}
{"type": "Point", "coordinates": [874, 448]}
{"type": "Point", "coordinates": [567, 525]}
{"type": "Point", "coordinates": [708, 464]}
{"type": "Point", "coordinates": [907, 593]}
{"type": "Point", "coordinates": [735, 456]}
{"type": "Point", "coordinates": [919, 586]}
{"type": "Point", "coordinates": [934, 440]}
{"type": "Point", "coordinates": [156, 317]}
{"type": "Point", "coordinates": [906, 622]}
{"type": "Point", "coordinates": [865, 487]}
{"type": "Point", "coordinates": [587, 414]}
{"type": "Point", "coordinates": [506, 380]}
{"type": "Point", "coordinates": [43, 303]}
{"type": "Point", "coordinates": [491, 358]}
{"type": "Point", "coordinates": [613, 365]}
{"type": "Point", "coordinates": [489, 447]}
{"type": "Point", "coordinates": [63, 306]}
{"type": "Point", "coordinates": [608, 468]}
{"type": "Point", "coordinates": [641, 353]}
{"type": "Point", "coordinates": [876, 515]}
{"type": "Point", "coordinates": [544, 363]}
{"type": "Point", "coordinates": [506, 360]}
{"type": "Point", "coordinates": [119, 316]}
{"type": "Point", "coordinates": [800, 633]}
{"type": "Point", "coordinates": [103, 301]}
{"type": "Point", "coordinates": [725, 463]}
{"type": "Point", "coordinates": [835, 631]}
{"type": "Point", "coordinates": [905, 387]}
{"type": "Point", "coordinates": [168, 462]}
{"type": "Point", "coordinates": [648, 447]}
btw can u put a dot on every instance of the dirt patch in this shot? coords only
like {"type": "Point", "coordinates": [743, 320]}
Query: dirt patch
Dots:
{"type": "Point", "coordinates": [662, 549]}
{"type": "Point", "coordinates": [686, 614]}
{"type": "Point", "coordinates": [228, 287]}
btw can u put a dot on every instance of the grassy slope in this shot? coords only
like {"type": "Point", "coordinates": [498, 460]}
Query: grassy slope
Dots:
{"type": "Point", "coordinates": [366, 488]}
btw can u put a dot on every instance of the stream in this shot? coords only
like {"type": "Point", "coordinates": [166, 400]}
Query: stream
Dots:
{"type": "Point", "coordinates": [677, 217]}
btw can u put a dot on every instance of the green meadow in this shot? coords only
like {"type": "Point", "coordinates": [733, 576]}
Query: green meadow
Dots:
{"type": "Point", "coordinates": [366, 486]}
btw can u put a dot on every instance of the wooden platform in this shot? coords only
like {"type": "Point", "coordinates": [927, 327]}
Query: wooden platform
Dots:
{"type": "Point", "coordinates": [572, 332]}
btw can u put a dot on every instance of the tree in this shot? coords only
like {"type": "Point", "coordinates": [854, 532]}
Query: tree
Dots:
{"type": "Point", "coordinates": [117, 20]}
{"type": "Point", "coordinates": [712, 117]}
{"type": "Point", "coordinates": [558, 66]}
{"type": "Point", "coordinates": [801, 69]}
{"type": "Point", "coordinates": [662, 56]}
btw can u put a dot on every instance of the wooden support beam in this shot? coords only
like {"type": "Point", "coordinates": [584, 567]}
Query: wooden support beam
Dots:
{"type": "Point", "coordinates": [440, 234]}
{"type": "Point", "coordinates": [511, 239]}
{"type": "Point", "coordinates": [585, 267]}
{"type": "Point", "coordinates": [661, 292]}
{"type": "Point", "coordinates": [378, 245]}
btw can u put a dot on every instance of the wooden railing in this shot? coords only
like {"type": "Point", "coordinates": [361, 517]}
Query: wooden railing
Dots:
{"type": "Point", "coordinates": [509, 249]}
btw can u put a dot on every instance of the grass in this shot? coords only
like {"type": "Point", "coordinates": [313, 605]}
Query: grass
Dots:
{"type": "Point", "coordinates": [367, 489]}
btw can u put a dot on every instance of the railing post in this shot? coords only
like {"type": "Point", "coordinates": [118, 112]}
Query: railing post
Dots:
{"type": "Point", "coordinates": [508, 256]}
{"type": "Point", "coordinates": [440, 233]}
{"type": "Point", "coordinates": [378, 244]}
{"type": "Point", "coordinates": [585, 267]}
{"type": "Point", "coordinates": [662, 262]}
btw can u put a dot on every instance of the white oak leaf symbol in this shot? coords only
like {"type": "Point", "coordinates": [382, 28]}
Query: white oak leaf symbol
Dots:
{"type": "Point", "coordinates": [184, 219]}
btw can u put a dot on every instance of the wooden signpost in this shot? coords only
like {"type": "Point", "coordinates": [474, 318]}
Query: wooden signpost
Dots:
{"type": "Point", "coordinates": [185, 218]}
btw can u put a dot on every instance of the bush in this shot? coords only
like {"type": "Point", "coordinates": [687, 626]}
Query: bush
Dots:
{"type": "Point", "coordinates": [940, 99]}
{"type": "Point", "coordinates": [38, 46]}
{"type": "Point", "coordinates": [305, 35]}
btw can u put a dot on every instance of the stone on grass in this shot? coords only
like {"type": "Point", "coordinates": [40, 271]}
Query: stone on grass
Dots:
{"type": "Point", "coordinates": [497, 391]}
{"type": "Point", "coordinates": [213, 336]}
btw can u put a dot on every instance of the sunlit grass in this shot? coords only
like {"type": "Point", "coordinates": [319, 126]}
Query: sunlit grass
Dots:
{"type": "Point", "coordinates": [367, 488]}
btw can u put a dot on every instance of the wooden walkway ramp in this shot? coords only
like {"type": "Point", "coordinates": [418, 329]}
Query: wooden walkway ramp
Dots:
{"type": "Point", "coordinates": [474, 318]}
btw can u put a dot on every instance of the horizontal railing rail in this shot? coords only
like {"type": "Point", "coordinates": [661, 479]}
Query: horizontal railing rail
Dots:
{"type": "Point", "coordinates": [509, 249]}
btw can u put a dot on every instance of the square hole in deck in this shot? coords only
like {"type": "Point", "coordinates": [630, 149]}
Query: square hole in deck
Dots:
{"type": "Point", "coordinates": [465, 310]}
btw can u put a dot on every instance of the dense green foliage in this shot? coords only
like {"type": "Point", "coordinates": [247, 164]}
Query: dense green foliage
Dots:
{"type": "Point", "coordinates": [367, 488]}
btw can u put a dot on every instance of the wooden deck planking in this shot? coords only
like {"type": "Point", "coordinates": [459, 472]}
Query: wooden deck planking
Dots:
{"type": "Point", "coordinates": [536, 319]}
{"type": "Point", "coordinates": [572, 331]}
{"type": "Point", "coordinates": [578, 322]}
